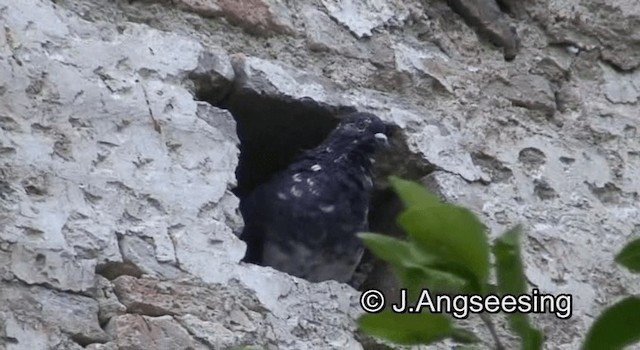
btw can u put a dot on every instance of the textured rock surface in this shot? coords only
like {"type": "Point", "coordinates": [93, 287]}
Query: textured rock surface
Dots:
{"type": "Point", "coordinates": [117, 221]}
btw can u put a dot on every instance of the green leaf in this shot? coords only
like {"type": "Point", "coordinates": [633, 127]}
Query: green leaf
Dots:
{"type": "Point", "coordinates": [629, 256]}
{"type": "Point", "coordinates": [511, 280]}
{"type": "Point", "coordinates": [396, 251]}
{"type": "Point", "coordinates": [616, 327]}
{"type": "Point", "coordinates": [419, 278]}
{"type": "Point", "coordinates": [531, 337]}
{"type": "Point", "coordinates": [510, 271]}
{"type": "Point", "coordinates": [413, 194]}
{"type": "Point", "coordinates": [452, 233]}
{"type": "Point", "coordinates": [414, 267]}
{"type": "Point", "coordinates": [407, 328]}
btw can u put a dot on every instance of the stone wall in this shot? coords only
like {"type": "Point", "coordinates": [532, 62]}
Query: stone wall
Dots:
{"type": "Point", "coordinates": [122, 125]}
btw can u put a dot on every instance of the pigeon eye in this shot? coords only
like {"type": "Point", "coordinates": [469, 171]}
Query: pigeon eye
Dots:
{"type": "Point", "coordinates": [361, 125]}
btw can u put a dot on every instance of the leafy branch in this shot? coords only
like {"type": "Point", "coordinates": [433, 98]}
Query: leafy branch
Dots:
{"type": "Point", "coordinates": [447, 250]}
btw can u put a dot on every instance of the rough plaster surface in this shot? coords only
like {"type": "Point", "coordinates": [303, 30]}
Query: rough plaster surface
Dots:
{"type": "Point", "coordinates": [117, 221]}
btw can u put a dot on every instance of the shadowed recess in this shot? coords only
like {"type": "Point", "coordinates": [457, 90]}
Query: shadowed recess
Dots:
{"type": "Point", "coordinates": [273, 131]}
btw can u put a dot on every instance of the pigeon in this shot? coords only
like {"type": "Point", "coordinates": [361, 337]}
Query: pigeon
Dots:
{"type": "Point", "coordinates": [304, 220]}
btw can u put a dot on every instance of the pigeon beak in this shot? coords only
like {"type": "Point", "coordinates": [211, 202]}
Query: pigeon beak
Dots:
{"type": "Point", "coordinates": [382, 139]}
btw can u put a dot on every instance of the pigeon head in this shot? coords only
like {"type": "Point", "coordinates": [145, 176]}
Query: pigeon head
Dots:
{"type": "Point", "coordinates": [363, 132]}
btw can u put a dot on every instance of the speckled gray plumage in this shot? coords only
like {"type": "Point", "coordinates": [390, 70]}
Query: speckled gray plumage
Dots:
{"type": "Point", "coordinates": [303, 221]}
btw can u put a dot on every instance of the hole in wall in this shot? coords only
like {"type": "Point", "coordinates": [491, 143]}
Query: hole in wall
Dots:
{"type": "Point", "coordinates": [273, 131]}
